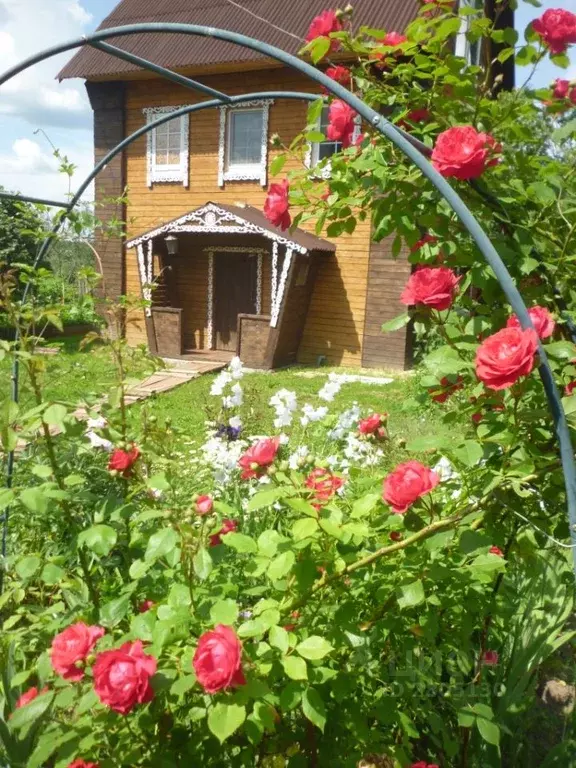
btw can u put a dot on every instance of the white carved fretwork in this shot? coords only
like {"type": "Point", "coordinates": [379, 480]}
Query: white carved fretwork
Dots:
{"type": "Point", "coordinates": [274, 271]}
{"type": "Point", "coordinates": [210, 219]}
{"type": "Point", "coordinates": [145, 269]}
{"type": "Point", "coordinates": [210, 312]}
{"type": "Point", "coordinates": [277, 306]}
{"type": "Point", "coordinates": [253, 172]}
{"type": "Point", "coordinates": [259, 283]}
{"type": "Point", "coordinates": [167, 172]}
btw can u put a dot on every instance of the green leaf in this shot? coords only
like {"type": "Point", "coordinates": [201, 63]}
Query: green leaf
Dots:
{"type": "Point", "coordinates": [313, 708]}
{"type": "Point", "coordinates": [31, 712]}
{"type": "Point", "coordinates": [396, 323]}
{"type": "Point", "coordinates": [161, 543]}
{"type": "Point", "coordinates": [314, 648]}
{"type": "Point", "coordinates": [159, 482]}
{"type": "Point", "coordinates": [7, 496]}
{"type": "Point", "coordinates": [277, 165]}
{"type": "Point", "coordinates": [240, 542]}
{"type": "Point", "coordinates": [469, 453]}
{"type": "Point", "coordinates": [54, 414]}
{"type": "Point", "coordinates": [303, 506]}
{"type": "Point", "coordinates": [48, 743]}
{"type": "Point", "coordinates": [268, 542]}
{"type": "Point", "coordinates": [265, 498]}
{"type": "Point", "coordinates": [202, 563]}
{"type": "Point", "coordinates": [138, 569]}
{"type": "Point", "coordinates": [561, 349]}
{"type": "Point", "coordinates": [303, 529]}
{"type": "Point", "coordinates": [100, 539]}
{"type": "Point", "coordinates": [365, 505]}
{"type": "Point", "coordinates": [252, 628]}
{"type": "Point", "coordinates": [27, 567]}
{"type": "Point", "coordinates": [411, 594]}
{"type": "Point", "coordinates": [278, 638]}
{"type": "Point", "coordinates": [281, 565]}
{"type": "Point", "coordinates": [427, 443]}
{"type": "Point", "coordinates": [295, 668]}
{"type": "Point", "coordinates": [183, 684]}
{"type": "Point", "coordinates": [319, 48]}
{"type": "Point", "coordinates": [224, 612]}
{"type": "Point", "coordinates": [114, 611]}
{"type": "Point", "coordinates": [225, 719]}
{"type": "Point", "coordinates": [489, 731]}
{"type": "Point", "coordinates": [34, 500]}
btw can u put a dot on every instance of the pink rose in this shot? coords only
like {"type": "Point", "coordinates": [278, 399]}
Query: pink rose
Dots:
{"type": "Point", "coordinates": [218, 660]}
{"type": "Point", "coordinates": [123, 461]}
{"type": "Point", "coordinates": [373, 425]}
{"type": "Point", "coordinates": [204, 505]}
{"type": "Point", "coordinates": [423, 764]}
{"type": "Point", "coordinates": [432, 287]}
{"type": "Point", "coordinates": [561, 88]}
{"type": "Point", "coordinates": [122, 677]}
{"type": "Point", "coordinates": [490, 658]}
{"type": "Point", "coordinates": [323, 25]}
{"type": "Point", "coordinates": [29, 696]}
{"type": "Point", "coordinates": [464, 153]}
{"type": "Point", "coordinates": [407, 483]}
{"type": "Point", "coordinates": [71, 647]}
{"type": "Point", "coordinates": [145, 606]}
{"type": "Point", "coordinates": [277, 205]}
{"type": "Point", "coordinates": [570, 388]}
{"type": "Point", "coordinates": [572, 96]}
{"type": "Point", "coordinates": [506, 356]}
{"type": "Point", "coordinates": [228, 526]}
{"type": "Point", "coordinates": [542, 321]}
{"type": "Point", "coordinates": [341, 122]}
{"type": "Point", "coordinates": [256, 460]}
{"type": "Point", "coordinates": [557, 28]}
{"type": "Point", "coordinates": [324, 485]}
{"type": "Point", "coordinates": [393, 39]}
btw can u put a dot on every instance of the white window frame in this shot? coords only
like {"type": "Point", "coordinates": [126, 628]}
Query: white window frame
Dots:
{"type": "Point", "coordinates": [161, 173]}
{"type": "Point", "coordinates": [246, 172]}
{"type": "Point", "coordinates": [313, 152]}
{"type": "Point", "coordinates": [463, 47]}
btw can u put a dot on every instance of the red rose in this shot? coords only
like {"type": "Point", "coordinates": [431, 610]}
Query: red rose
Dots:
{"type": "Point", "coordinates": [323, 25]}
{"type": "Point", "coordinates": [145, 606]}
{"type": "Point", "coordinates": [228, 526]}
{"type": "Point", "coordinates": [373, 424]}
{"type": "Point", "coordinates": [496, 551]}
{"type": "Point", "coordinates": [123, 461]}
{"type": "Point", "coordinates": [122, 677]}
{"type": "Point", "coordinates": [557, 28]}
{"type": "Point", "coordinates": [341, 122]}
{"type": "Point", "coordinates": [542, 321]}
{"type": "Point", "coordinates": [433, 287]}
{"type": "Point", "coordinates": [427, 239]}
{"type": "Point", "coordinates": [407, 483]}
{"type": "Point", "coordinates": [204, 505]}
{"type": "Point", "coordinates": [29, 696]}
{"type": "Point", "coordinates": [572, 96]}
{"type": "Point", "coordinates": [393, 39]}
{"type": "Point", "coordinates": [490, 658]}
{"type": "Point", "coordinates": [570, 388]}
{"type": "Point", "coordinates": [71, 647]}
{"type": "Point", "coordinates": [418, 115]}
{"type": "Point", "coordinates": [446, 389]}
{"type": "Point", "coordinates": [324, 484]}
{"type": "Point", "coordinates": [83, 764]}
{"type": "Point", "coordinates": [218, 660]}
{"type": "Point", "coordinates": [464, 153]}
{"type": "Point", "coordinates": [395, 536]}
{"type": "Point", "coordinates": [277, 206]}
{"type": "Point", "coordinates": [506, 356]}
{"type": "Point", "coordinates": [561, 88]}
{"type": "Point", "coordinates": [341, 75]}
{"type": "Point", "coordinates": [423, 764]}
{"type": "Point", "coordinates": [258, 457]}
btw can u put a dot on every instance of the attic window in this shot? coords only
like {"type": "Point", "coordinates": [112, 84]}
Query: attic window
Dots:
{"type": "Point", "coordinates": [168, 152]}
{"type": "Point", "coordinates": [243, 150]}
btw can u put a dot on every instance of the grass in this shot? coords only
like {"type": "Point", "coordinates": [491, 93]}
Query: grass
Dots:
{"type": "Point", "coordinates": [74, 373]}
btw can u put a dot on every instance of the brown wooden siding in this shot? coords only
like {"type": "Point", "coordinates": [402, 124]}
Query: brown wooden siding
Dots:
{"type": "Point", "coordinates": [336, 317]}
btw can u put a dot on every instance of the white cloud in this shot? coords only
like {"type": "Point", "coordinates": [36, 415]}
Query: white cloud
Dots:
{"type": "Point", "coordinates": [79, 14]}
{"type": "Point", "coordinates": [27, 157]}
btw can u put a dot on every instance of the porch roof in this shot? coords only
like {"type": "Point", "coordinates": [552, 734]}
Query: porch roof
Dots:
{"type": "Point", "coordinates": [222, 219]}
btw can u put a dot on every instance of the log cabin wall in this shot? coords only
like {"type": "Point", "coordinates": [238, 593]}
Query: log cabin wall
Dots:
{"type": "Point", "coordinates": [335, 326]}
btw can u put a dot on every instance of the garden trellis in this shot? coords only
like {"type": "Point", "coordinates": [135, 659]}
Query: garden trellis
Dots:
{"type": "Point", "coordinates": [406, 144]}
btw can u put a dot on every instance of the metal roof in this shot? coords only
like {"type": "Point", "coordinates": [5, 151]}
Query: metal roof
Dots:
{"type": "Point", "coordinates": [183, 51]}
{"type": "Point", "coordinates": [216, 218]}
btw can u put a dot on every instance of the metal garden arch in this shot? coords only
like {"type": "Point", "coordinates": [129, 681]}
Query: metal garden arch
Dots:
{"type": "Point", "coordinates": [412, 149]}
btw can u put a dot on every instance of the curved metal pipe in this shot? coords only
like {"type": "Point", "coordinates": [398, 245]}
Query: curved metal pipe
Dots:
{"type": "Point", "coordinates": [394, 135]}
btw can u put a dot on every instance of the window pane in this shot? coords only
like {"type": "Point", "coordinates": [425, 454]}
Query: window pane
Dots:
{"type": "Point", "coordinates": [174, 142]}
{"type": "Point", "coordinates": [245, 137]}
{"type": "Point", "coordinates": [328, 148]}
{"type": "Point", "coordinates": [161, 140]}
{"type": "Point", "coordinates": [173, 158]}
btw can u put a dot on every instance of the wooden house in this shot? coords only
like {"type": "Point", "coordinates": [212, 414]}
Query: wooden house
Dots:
{"type": "Point", "coordinates": [227, 281]}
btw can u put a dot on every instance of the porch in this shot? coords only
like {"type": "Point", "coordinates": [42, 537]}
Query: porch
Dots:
{"type": "Point", "coordinates": [221, 281]}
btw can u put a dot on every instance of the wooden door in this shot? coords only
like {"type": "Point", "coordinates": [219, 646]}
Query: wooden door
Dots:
{"type": "Point", "coordinates": [234, 294]}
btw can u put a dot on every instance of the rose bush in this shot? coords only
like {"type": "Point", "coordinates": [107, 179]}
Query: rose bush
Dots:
{"type": "Point", "coordinates": [375, 599]}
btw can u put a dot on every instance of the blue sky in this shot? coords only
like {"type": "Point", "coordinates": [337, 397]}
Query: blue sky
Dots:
{"type": "Point", "coordinates": [36, 100]}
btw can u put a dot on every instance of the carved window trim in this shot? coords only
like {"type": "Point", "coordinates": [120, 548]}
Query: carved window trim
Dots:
{"type": "Point", "coordinates": [163, 173]}
{"type": "Point", "coordinates": [257, 171]}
